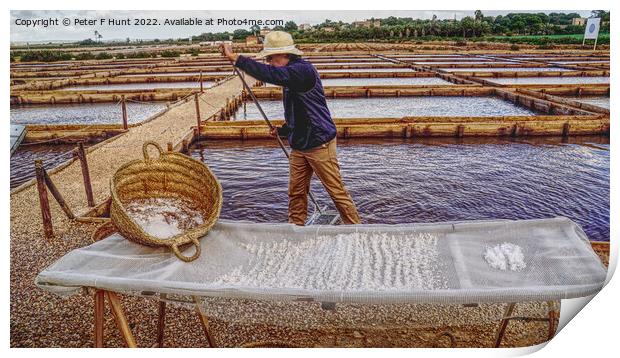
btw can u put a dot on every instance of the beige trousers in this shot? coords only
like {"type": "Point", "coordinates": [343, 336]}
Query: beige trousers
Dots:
{"type": "Point", "coordinates": [321, 160]}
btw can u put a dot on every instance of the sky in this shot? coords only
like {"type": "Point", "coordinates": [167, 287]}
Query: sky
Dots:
{"type": "Point", "coordinates": [74, 32]}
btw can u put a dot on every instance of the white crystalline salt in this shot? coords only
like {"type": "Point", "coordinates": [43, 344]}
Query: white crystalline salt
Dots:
{"type": "Point", "coordinates": [164, 217]}
{"type": "Point", "coordinates": [505, 256]}
{"type": "Point", "coordinates": [352, 262]}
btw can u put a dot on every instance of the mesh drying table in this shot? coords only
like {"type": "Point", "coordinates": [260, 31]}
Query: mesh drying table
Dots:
{"type": "Point", "coordinates": [441, 263]}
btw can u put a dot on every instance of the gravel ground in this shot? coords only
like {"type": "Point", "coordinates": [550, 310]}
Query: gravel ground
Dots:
{"type": "Point", "coordinates": [40, 319]}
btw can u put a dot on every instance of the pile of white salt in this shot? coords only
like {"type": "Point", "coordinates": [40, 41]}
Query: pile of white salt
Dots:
{"type": "Point", "coordinates": [351, 262]}
{"type": "Point", "coordinates": [505, 256]}
{"type": "Point", "coordinates": [164, 217]}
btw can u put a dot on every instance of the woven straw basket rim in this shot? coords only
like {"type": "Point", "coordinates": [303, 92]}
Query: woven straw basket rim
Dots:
{"type": "Point", "coordinates": [204, 190]}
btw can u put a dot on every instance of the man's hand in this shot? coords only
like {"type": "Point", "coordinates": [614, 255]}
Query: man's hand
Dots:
{"type": "Point", "coordinates": [226, 50]}
{"type": "Point", "coordinates": [274, 131]}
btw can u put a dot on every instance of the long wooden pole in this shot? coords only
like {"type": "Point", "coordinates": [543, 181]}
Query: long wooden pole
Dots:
{"type": "Point", "coordinates": [201, 85]}
{"type": "Point", "coordinates": [46, 215]}
{"type": "Point", "coordinates": [85, 174]}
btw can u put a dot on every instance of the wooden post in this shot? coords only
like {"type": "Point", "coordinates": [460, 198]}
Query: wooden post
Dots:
{"type": "Point", "coordinates": [460, 129]}
{"type": "Point", "coordinates": [566, 129]}
{"type": "Point", "coordinates": [99, 311]}
{"type": "Point", "coordinates": [121, 321]}
{"type": "Point", "coordinates": [81, 153]}
{"type": "Point", "coordinates": [184, 146]}
{"type": "Point", "coordinates": [170, 148]}
{"type": "Point", "coordinates": [201, 85]}
{"type": "Point", "coordinates": [43, 200]}
{"type": "Point", "coordinates": [197, 112]}
{"type": "Point", "coordinates": [408, 131]}
{"type": "Point", "coordinates": [124, 110]}
{"type": "Point", "coordinates": [56, 194]}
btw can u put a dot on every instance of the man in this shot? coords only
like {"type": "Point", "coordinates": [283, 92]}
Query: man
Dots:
{"type": "Point", "coordinates": [309, 127]}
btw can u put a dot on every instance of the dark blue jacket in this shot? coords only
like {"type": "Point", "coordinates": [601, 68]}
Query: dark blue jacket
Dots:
{"type": "Point", "coordinates": [308, 121]}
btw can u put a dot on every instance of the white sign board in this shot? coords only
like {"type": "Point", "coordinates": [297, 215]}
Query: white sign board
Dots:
{"type": "Point", "coordinates": [592, 28]}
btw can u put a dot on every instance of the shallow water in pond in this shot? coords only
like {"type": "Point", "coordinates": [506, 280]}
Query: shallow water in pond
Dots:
{"type": "Point", "coordinates": [378, 107]}
{"type": "Point", "coordinates": [387, 81]}
{"type": "Point", "coordinates": [580, 61]}
{"type": "Point", "coordinates": [597, 101]}
{"type": "Point", "coordinates": [97, 113]}
{"type": "Point", "coordinates": [506, 69]}
{"type": "Point", "coordinates": [395, 69]}
{"type": "Point", "coordinates": [434, 180]}
{"type": "Point", "coordinates": [216, 73]}
{"type": "Point", "coordinates": [549, 80]}
{"type": "Point", "coordinates": [482, 61]}
{"type": "Point", "coordinates": [22, 161]}
{"type": "Point", "coordinates": [139, 86]}
{"type": "Point", "coordinates": [353, 63]}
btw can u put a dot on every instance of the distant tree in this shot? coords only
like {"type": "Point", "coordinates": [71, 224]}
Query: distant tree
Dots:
{"type": "Point", "coordinates": [290, 26]}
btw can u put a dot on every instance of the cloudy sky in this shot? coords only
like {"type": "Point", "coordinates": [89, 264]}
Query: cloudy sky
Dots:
{"type": "Point", "coordinates": [60, 32]}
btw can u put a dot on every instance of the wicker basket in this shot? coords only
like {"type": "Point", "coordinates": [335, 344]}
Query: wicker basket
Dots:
{"type": "Point", "coordinates": [172, 175]}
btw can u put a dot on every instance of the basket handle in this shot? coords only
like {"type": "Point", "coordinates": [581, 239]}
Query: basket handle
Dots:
{"type": "Point", "coordinates": [145, 147]}
{"type": "Point", "coordinates": [177, 252]}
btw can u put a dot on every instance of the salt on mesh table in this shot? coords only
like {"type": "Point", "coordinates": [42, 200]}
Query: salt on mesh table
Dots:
{"type": "Point", "coordinates": [441, 263]}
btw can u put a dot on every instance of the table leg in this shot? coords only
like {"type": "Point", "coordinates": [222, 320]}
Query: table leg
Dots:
{"type": "Point", "coordinates": [503, 324]}
{"type": "Point", "coordinates": [204, 322]}
{"type": "Point", "coordinates": [119, 317]}
{"type": "Point", "coordinates": [99, 312]}
{"type": "Point", "coordinates": [161, 321]}
{"type": "Point", "coordinates": [552, 315]}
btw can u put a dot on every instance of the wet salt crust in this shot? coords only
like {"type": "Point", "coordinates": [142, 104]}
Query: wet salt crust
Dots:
{"type": "Point", "coordinates": [164, 217]}
{"type": "Point", "coordinates": [505, 256]}
{"type": "Point", "coordinates": [349, 262]}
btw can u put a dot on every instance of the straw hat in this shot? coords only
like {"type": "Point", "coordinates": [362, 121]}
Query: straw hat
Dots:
{"type": "Point", "coordinates": [278, 42]}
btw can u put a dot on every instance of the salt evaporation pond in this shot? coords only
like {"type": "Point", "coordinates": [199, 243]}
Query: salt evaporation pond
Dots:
{"type": "Point", "coordinates": [549, 80]}
{"type": "Point", "coordinates": [459, 62]}
{"type": "Point", "coordinates": [96, 113]}
{"type": "Point", "coordinates": [505, 69]}
{"type": "Point", "coordinates": [395, 69]}
{"type": "Point", "coordinates": [380, 81]}
{"type": "Point", "coordinates": [579, 61]}
{"type": "Point", "coordinates": [387, 81]}
{"type": "Point", "coordinates": [22, 161]}
{"type": "Point", "coordinates": [352, 63]}
{"type": "Point", "coordinates": [377, 107]}
{"type": "Point", "coordinates": [140, 86]}
{"type": "Point", "coordinates": [216, 73]}
{"type": "Point", "coordinates": [430, 180]}
{"type": "Point", "coordinates": [597, 101]}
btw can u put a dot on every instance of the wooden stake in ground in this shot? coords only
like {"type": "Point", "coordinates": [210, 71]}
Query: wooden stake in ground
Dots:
{"type": "Point", "coordinates": [197, 113]}
{"type": "Point", "coordinates": [81, 153]}
{"type": "Point", "coordinates": [46, 215]}
{"type": "Point", "coordinates": [124, 109]}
